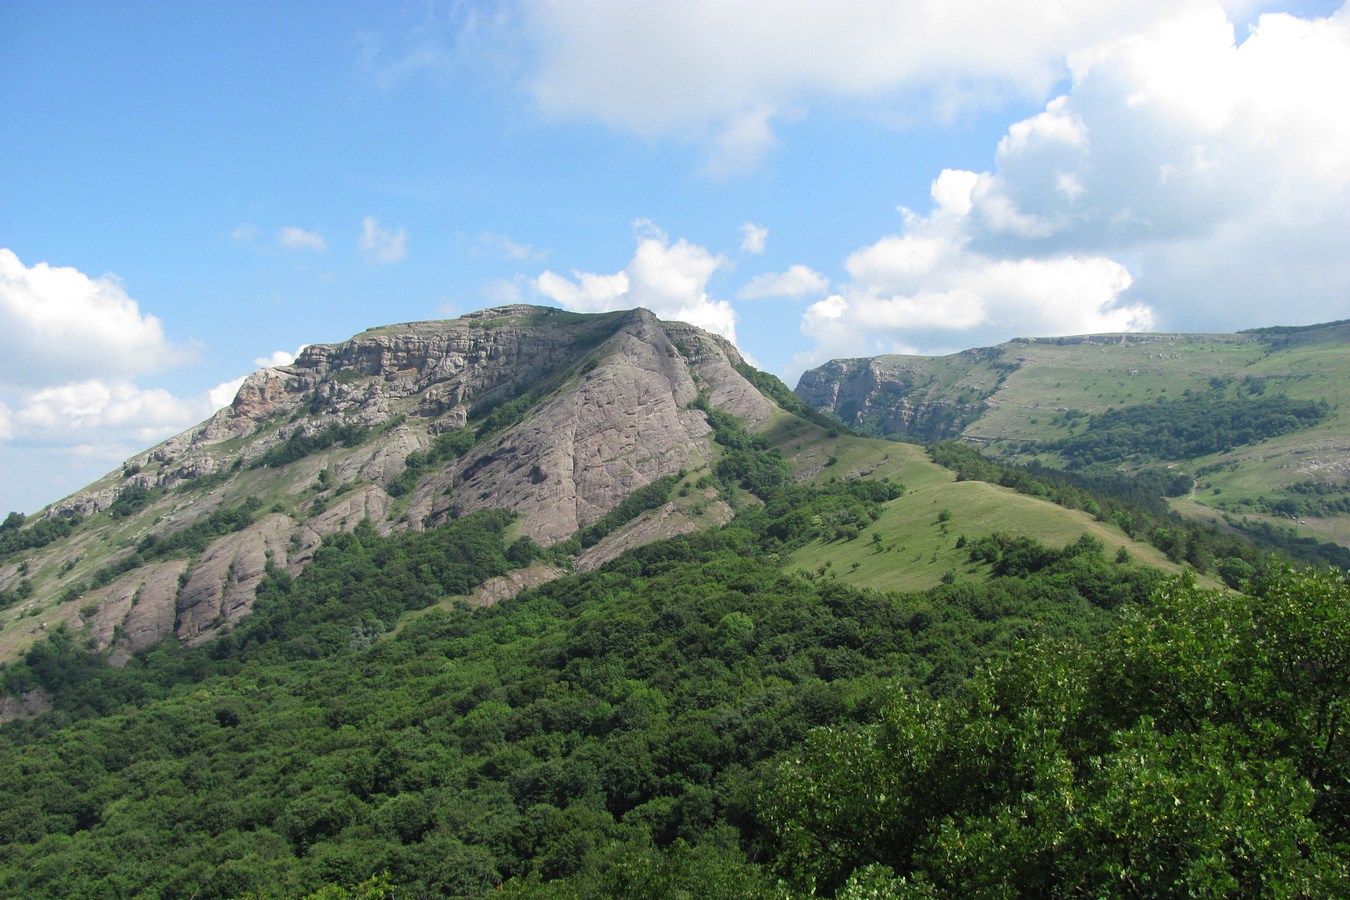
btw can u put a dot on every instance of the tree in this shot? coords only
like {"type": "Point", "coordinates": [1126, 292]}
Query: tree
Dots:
{"type": "Point", "coordinates": [1200, 749]}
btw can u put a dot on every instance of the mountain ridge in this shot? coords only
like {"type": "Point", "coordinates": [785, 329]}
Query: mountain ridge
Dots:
{"type": "Point", "coordinates": [559, 417]}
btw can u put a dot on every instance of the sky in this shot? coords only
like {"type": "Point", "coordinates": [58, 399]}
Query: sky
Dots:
{"type": "Point", "coordinates": [192, 191]}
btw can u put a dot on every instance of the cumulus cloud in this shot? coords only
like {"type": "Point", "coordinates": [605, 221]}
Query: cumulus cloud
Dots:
{"type": "Point", "coordinates": [58, 323]}
{"type": "Point", "coordinates": [730, 71]}
{"type": "Point", "coordinates": [1219, 167]}
{"type": "Point", "coordinates": [668, 278]}
{"type": "Point", "coordinates": [379, 244]}
{"type": "Point", "coordinates": [70, 404]}
{"type": "Point", "coordinates": [223, 394]}
{"type": "Point", "coordinates": [798, 281]}
{"type": "Point", "coordinates": [1186, 180]}
{"type": "Point", "coordinates": [95, 406]}
{"type": "Point", "coordinates": [295, 238]}
{"type": "Point", "coordinates": [277, 358]}
{"type": "Point", "coordinates": [753, 238]}
{"type": "Point", "coordinates": [926, 290]}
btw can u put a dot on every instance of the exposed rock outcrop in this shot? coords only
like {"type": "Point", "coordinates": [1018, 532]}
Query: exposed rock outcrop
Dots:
{"type": "Point", "coordinates": [897, 396]}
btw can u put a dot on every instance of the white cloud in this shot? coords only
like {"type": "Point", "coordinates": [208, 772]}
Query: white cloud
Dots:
{"type": "Point", "coordinates": [670, 279]}
{"type": "Point", "coordinates": [295, 238]}
{"type": "Point", "coordinates": [729, 71]}
{"type": "Point", "coordinates": [753, 238]}
{"type": "Point", "coordinates": [96, 406]}
{"type": "Point", "coordinates": [70, 406]}
{"type": "Point", "coordinates": [277, 358]}
{"type": "Point", "coordinates": [58, 324]}
{"type": "Point", "coordinates": [797, 281]}
{"type": "Point", "coordinates": [379, 244]}
{"type": "Point", "coordinates": [1220, 169]}
{"type": "Point", "coordinates": [222, 395]}
{"type": "Point", "coordinates": [245, 233]}
{"type": "Point", "coordinates": [1184, 181]}
{"type": "Point", "coordinates": [926, 290]}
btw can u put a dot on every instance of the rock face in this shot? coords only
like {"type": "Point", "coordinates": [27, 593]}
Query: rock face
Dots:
{"type": "Point", "coordinates": [898, 396]}
{"type": "Point", "coordinates": [602, 406]}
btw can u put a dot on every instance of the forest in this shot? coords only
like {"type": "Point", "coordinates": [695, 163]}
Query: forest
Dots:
{"type": "Point", "coordinates": [693, 720]}
{"type": "Point", "coordinates": [1196, 425]}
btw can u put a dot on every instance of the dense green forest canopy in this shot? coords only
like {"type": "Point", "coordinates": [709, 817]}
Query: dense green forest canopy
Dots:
{"type": "Point", "coordinates": [692, 719]}
{"type": "Point", "coordinates": [1185, 428]}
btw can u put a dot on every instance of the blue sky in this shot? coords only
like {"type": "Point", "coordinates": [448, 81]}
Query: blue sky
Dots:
{"type": "Point", "coordinates": [189, 191]}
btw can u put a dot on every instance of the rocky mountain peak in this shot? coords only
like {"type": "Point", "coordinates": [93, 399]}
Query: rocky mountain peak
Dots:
{"type": "Point", "coordinates": [555, 416]}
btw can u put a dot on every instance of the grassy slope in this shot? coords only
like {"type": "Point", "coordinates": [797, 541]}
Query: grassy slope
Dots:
{"type": "Point", "coordinates": [916, 549]}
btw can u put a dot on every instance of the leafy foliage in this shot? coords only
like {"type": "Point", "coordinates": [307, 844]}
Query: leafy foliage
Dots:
{"type": "Point", "coordinates": [448, 446]}
{"type": "Point", "coordinates": [299, 445]}
{"type": "Point", "coordinates": [1198, 750]}
{"type": "Point", "coordinates": [1192, 426]}
{"type": "Point", "coordinates": [186, 542]}
{"type": "Point", "coordinates": [647, 497]}
{"type": "Point", "coordinates": [130, 500]}
{"type": "Point", "coordinates": [747, 460]}
{"type": "Point", "coordinates": [15, 538]}
{"type": "Point", "coordinates": [499, 416]}
{"type": "Point", "coordinates": [1135, 505]}
{"type": "Point", "coordinates": [772, 387]}
{"type": "Point", "coordinates": [607, 733]}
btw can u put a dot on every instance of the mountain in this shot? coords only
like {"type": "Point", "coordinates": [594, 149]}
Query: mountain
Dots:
{"type": "Point", "coordinates": [532, 604]}
{"type": "Point", "coordinates": [597, 433]}
{"type": "Point", "coordinates": [1251, 427]}
{"type": "Point", "coordinates": [553, 416]}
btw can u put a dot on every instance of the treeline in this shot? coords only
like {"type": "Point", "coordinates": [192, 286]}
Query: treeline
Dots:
{"type": "Point", "coordinates": [1310, 498]}
{"type": "Point", "coordinates": [445, 447]}
{"type": "Point", "coordinates": [186, 542]}
{"type": "Point", "coordinates": [691, 720]}
{"type": "Point", "coordinates": [746, 461]}
{"type": "Point", "coordinates": [1195, 750]}
{"type": "Point", "coordinates": [361, 583]}
{"type": "Point", "coordinates": [645, 498]}
{"type": "Point", "coordinates": [1186, 428]}
{"type": "Point", "coordinates": [772, 387]}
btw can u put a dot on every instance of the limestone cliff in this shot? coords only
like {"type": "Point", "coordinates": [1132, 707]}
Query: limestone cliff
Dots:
{"type": "Point", "coordinates": [915, 398]}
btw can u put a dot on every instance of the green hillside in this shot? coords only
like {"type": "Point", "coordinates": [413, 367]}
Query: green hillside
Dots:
{"type": "Point", "coordinates": [1273, 406]}
{"type": "Point", "coordinates": [707, 716]}
{"type": "Point", "coordinates": [806, 664]}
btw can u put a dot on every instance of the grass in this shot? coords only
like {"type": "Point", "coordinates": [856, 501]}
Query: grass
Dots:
{"type": "Point", "coordinates": [917, 543]}
{"type": "Point", "coordinates": [919, 532]}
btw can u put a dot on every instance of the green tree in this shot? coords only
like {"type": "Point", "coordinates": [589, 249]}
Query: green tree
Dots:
{"type": "Point", "coordinates": [1199, 750]}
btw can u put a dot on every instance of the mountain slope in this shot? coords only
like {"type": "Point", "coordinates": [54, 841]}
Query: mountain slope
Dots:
{"type": "Point", "coordinates": [598, 433]}
{"type": "Point", "coordinates": [553, 416]}
{"type": "Point", "coordinates": [1267, 452]}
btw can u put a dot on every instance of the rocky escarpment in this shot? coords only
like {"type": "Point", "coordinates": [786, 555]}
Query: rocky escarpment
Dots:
{"type": "Point", "coordinates": [602, 405]}
{"type": "Point", "coordinates": [898, 396]}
